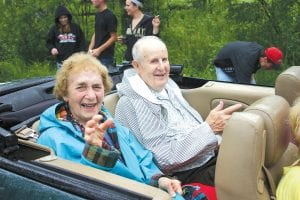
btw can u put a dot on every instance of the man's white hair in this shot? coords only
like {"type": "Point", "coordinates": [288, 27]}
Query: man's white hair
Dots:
{"type": "Point", "coordinates": [146, 41]}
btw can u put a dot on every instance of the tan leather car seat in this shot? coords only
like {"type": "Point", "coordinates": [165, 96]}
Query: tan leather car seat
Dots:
{"type": "Point", "coordinates": [110, 102]}
{"type": "Point", "coordinates": [35, 126]}
{"type": "Point", "coordinates": [254, 139]}
{"type": "Point", "coordinates": [287, 84]}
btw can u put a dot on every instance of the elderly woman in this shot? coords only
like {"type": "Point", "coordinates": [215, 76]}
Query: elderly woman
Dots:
{"type": "Point", "coordinates": [80, 128]}
{"type": "Point", "coordinates": [139, 26]}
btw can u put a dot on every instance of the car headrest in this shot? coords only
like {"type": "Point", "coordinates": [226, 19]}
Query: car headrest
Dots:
{"type": "Point", "coordinates": [175, 72]}
{"type": "Point", "coordinates": [274, 110]}
{"type": "Point", "coordinates": [176, 69]}
{"type": "Point", "coordinates": [287, 84]}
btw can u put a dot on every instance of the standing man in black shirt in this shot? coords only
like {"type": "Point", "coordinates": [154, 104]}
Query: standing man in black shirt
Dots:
{"type": "Point", "coordinates": [102, 44]}
{"type": "Point", "coordinates": [238, 61]}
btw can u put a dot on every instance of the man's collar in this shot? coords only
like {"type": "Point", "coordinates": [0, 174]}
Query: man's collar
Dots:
{"type": "Point", "coordinates": [141, 88]}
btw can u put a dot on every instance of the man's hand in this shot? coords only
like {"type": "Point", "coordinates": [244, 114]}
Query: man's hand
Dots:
{"type": "Point", "coordinates": [54, 51]}
{"type": "Point", "coordinates": [94, 131]}
{"type": "Point", "coordinates": [170, 185]}
{"type": "Point", "coordinates": [95, 52]}
{"type": "Point", "coordinates": [217, 118]}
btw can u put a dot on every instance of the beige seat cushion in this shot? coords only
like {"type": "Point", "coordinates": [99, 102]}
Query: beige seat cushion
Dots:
{"type": "Point", "coordinates": [252, 139]}
{"type": "Point", "coordinates": [274, 111]}
{"type": "Point", "coordinates": [238, 171]}
{"type": "Point", "coordinates": [287, 84]}
{"type": "Point", "coordinates": [110, 102]}
{"type": "Point", "coordinates": [35, 126]}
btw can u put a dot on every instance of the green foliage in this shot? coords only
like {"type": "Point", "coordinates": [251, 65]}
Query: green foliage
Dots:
{"type": "Point", "coordinates": [269, 23]}
{"type": "Point", "coordinates": [266, 77]}
{"type": "Point", "coordinates": [26, 30]}
{"type": "Point", "coordinates": [195, 42]}
{"type": "Point", "coordinates": [18, 69]}
{"type": "Point", "coordinates": [193, 30]}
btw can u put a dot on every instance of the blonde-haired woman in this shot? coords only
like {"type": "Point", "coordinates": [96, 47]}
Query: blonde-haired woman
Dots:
{"type": "Point", "coordinates": [289, 186]}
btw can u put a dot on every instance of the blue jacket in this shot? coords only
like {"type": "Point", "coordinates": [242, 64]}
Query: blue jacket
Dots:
{"type": "Point", "coordinates": [68, 143]}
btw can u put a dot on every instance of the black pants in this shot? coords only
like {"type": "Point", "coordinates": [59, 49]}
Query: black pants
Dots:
{"type": "Point", "coordinates": [204, 174]}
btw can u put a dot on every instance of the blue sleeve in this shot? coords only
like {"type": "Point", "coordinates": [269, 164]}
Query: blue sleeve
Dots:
{"type": "Point", "coordinates": [45, 140]}
{"type": "Point", "coordinates": [178, 197]}
{"type": "Point", "coordinates": [144, 157]}
{"type": "Point", "coordinates": [68, 147]}
{"type": "Point", "coordinates": [74, 149]}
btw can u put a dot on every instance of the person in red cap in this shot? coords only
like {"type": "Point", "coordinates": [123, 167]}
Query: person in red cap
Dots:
{"type": "Point", "coordinates": [238, 61]}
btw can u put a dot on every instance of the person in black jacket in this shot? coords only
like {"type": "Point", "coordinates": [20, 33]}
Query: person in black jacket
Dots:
{"type": "Point", "coordinates": [139, 26]}
{"type": "Point", "coordinates": [238, 61]}
{"type": "Point", "coordinates": [65, 37]}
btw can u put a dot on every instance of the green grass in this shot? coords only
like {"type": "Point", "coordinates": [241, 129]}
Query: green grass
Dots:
{"type": "Point", "coordinates": [17, 69]}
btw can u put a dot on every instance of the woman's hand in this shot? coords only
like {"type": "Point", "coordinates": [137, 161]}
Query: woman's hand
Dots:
{"type": "Point", "coordinates": [156, 21]}
{"type": "Point", "coordinates": [155, 24]}
{"type": "Point", "coordinates": [173, 186]}
{"type": "Point", "coordinates": [121, 39]}
{"type": "Point", "coordinates": [54, 51]}
{"type": "Point", "coordinates": [95, 131]}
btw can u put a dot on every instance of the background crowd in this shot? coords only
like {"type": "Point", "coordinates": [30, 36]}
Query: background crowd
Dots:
{"type": "Point", "coordinates": [194, 31]}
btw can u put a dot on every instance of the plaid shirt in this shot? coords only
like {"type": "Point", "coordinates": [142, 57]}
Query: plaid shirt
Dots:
{"type": "Point", "coordinates": [101, 156]}
{"type": "Point", "coordinates": [108, 154]}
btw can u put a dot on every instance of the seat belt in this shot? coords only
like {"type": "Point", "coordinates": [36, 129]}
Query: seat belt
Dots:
{"type": "Point", "coordinates": [269, 179]}
{"type": "Point", "coordinates": [26, 133]}
{"type": "Point", "coordinates": [270, 183]}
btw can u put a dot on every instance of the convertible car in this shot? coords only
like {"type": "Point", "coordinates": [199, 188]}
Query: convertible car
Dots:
{"type": "Point", "coordinates": [256, 142]}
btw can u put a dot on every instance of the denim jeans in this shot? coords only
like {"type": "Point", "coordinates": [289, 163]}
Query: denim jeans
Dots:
{"type": "Point", "coordinates": [222, 76]}
{"type": "Point", "coordinates": [58, 65]}
{"type": "Point", "coordinates": [109, 63]}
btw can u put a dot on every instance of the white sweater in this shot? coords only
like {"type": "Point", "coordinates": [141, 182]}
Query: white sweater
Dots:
{"type": "Point", "coordinates": [144, 114]}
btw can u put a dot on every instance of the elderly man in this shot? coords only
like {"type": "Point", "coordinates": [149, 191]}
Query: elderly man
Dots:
{"type": "Point", "coordinates": [152, 107]}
